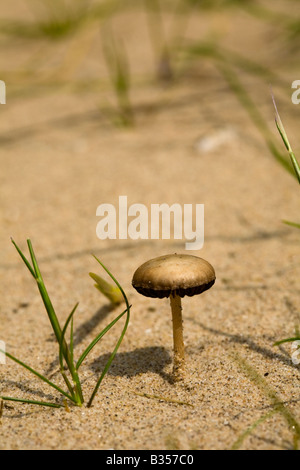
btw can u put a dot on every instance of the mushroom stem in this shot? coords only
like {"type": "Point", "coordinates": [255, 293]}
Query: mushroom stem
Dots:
{"type": "Point", "coordinates": [176, 308]}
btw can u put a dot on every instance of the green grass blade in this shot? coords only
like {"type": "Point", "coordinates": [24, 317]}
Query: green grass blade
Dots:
{"type": "Point", "coordinates": [98, 337]}
{"type": "Point", "coordinates": [72, 339]}
{"type": "Point", "coordinates": [285, 139]}
{"type": "Point", "coordinates": [48, 305]}
{"type": "Point", "coordinates": [295, 165]}
{"type": "Point", "coordinates": [292, 224]}
{"type": "Point", "coordinates": [70, 317]}
{"type": "Point", "coordinates": [44, 294]}
{"type": "Point", "coordinates": [282, 134]}
{"type": "Point", "coordinates": [40, 376]}
{"type": "Point", "coordinates": [72, 369]}
{"type": "Point", "coordinates": [111, 358]}
{"type": "Point", "coordinates": [108, 364]}
{"type": "Point", "coordinates": [33, 259]}
{"type": "Point", "coordinates": [51, 312]}
{"type": "Point", "coordinates": [279, 125]}
{"type": "Point", "coordinates": [24, 259]}
{"type": "Point", "coordinates": [32, 402]}
{"type": "Point", "coordinates": [69, 385]}
{"type": "Point", "coordinates": [287, 340]}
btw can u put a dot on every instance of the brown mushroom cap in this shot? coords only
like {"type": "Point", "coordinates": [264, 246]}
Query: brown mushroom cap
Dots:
{"type": "Point", "coordinates": [174, 275]}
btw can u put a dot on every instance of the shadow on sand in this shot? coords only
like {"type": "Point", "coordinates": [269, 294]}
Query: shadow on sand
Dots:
{"type": "Point", "coordinates": [140, 361]}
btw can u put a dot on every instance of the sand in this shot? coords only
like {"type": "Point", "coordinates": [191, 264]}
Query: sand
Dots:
{"type": "Point", "coordinates": [193, 143]}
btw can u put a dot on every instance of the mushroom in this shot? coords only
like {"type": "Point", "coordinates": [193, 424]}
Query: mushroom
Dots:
{"type": "Point", "coordinates": [174, 276]}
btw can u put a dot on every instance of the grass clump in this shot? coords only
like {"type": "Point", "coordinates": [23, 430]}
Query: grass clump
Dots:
{"type": "Point", "coordinates": [69, 367]}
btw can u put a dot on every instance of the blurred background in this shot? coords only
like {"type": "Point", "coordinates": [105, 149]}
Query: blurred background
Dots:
{"type": "Point", "coordinates": [111, 97]}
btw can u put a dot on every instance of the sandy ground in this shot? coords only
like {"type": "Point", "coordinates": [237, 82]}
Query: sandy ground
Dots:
{"type": "Point", "coordinates": [61, 156]}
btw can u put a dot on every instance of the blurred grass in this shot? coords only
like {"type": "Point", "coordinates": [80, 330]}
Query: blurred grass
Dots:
{"type": "Point", "coordinates": [277, 406]}
{"type": "Point", "coordinates": [57, 19]}
{"type": "Point", "coordinates": [229, 64]}
{"type": "Point", "coordinates": [53, 19]}
{"type": "Point", "coordinates": [119, 72]}
{"type": "Point", "coordinates": [69, 24]}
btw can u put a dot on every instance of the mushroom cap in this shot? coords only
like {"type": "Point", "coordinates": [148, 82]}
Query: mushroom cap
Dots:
{"type": "Point", "coordinates": [174, 275]}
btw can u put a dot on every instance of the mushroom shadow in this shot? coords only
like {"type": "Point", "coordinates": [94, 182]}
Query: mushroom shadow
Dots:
{"type": "Point", "coordinates": [140, 361]}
